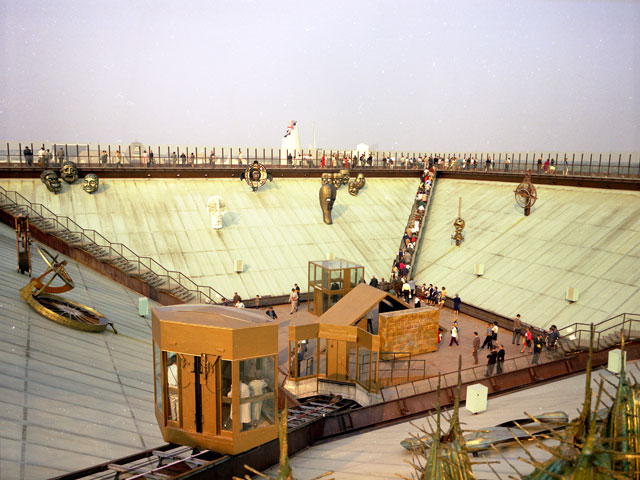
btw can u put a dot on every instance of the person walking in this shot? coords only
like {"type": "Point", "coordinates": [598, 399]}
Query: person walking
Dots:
{"type": "Point", "coordinates": [500, 359]}
{"type": "Point", "coordinates": [406, 291]}
{"type": "Point", "coordinates": [456, 306]}
{"type": "Point", "coordinates": [517, 330]}
{"type": "Point", "coordinates": [487, 338]}
{"type": "Point", "coordinates": [60, 156]}
{"type": "Point", "coordinates": [42, 153]}
{"type": "Point", "coordinates": [294, 298]}
{"type": "Point", "coordinates": [552, 340]}
{"type": "Point", "coordinates": [476, 347]}
{"type": "Point", "coordinates": [528, 341]}
{"type": "Point", "coordinates": [494, 332]}
{"type": "Point", "coordinates": [537, 348]}
{"type": "Point", "coordinates": [454, 335]}
{"type": "Point", "coordinates": [492, 360]}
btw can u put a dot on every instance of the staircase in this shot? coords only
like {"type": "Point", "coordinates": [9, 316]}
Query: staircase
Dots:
{"type": "Point", "coordinates": [608, 333]}
{"type": "Point", "coordinates": [118, 255]}
{"type": "Point", "coordinates": [422, 227]}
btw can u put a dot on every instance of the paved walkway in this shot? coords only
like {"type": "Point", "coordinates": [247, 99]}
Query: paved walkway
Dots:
{"type": "Point", "coordinates": [445, 360]}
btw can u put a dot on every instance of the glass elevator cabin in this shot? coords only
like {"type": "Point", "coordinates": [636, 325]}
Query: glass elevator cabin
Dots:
{"type": "Point", "coordinates": [215, 376]}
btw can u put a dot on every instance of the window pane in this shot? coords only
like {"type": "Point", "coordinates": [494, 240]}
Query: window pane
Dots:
{"type": "Point", "coordinates": [173, 383]}
{"type": "Point", "coordinates": [322, 347]}
{"type": "Point", "coordinates": [309, 365]}
{"type": "Point", "coordinates": [364, 358]}
{"type": "Point", "coordinates": [351, 348]}
{"type": "Point", "coordinates": [257, 392]}
{"type": "Point", "coordinates": [157, 358]}
{"type": "Point", "coordinates": [227, 423]}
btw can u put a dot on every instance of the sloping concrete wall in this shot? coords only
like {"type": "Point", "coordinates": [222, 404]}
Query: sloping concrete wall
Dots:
{"type": "Point", "coordinates": [583, 238]}
{"type": "Point", "coordinates": [275, 231]}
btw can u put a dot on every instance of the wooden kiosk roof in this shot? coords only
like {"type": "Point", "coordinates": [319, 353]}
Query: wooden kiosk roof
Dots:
{"type": "Point", "coordinates": [211, 315]}
{"type": "Point", "coordinates": [233, 333]}
{"type": "Point", "coordinates": [356, 304]}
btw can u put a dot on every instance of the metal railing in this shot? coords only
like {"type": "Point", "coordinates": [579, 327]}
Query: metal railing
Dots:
{"type": "Point", "coordinates": [400, 368]}
{"type": "Point", "coordinates": [580, 333]}
{"type": "Point", "coordinates": [173, 280]}
{"type": "Point", "coordinates": [624, 165]}
{"type": "Point", "coordinates": [606, 333]}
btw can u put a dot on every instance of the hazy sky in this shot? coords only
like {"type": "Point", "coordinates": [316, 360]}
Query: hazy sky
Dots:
{"type": "Point", "coordinates": [429, 75]}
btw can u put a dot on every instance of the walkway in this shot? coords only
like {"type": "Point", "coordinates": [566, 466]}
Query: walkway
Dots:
{"type": "Point", "coordinates": [445, 360]}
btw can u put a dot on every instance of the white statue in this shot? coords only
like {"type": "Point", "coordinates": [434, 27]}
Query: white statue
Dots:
{"type": "Point", "coordinates": [216, 208]}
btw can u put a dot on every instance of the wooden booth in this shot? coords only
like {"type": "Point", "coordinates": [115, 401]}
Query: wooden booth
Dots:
{"type": "Point", "coordinates": [215, 376]}
{"type": "Point", "coordinates": [343, 344]}
{"type": "Point", "coordinates": [329, 281]}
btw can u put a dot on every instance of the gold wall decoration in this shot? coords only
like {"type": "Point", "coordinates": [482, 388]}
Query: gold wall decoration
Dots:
{"type": "Point", "coordinates": [69, 172]}
{"type": "Point", "coordinates": [526, 194]}
{"type": "Point", "coordinates": [40, 295]}
{"type": "Point", "coordinates": [327, 199]}
{"type": "Point", "coordinates": [51, 181]}
{"type": "Point", "coordinates": [458, 225]}
{"type": "Point", "coordinates": [91, 183]}
{"type": "Point", "coordinates": [256, 175]}
{"type": "Point", "coordinates": [356, 185]}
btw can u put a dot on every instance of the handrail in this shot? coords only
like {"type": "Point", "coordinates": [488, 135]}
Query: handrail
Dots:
{"type": "Point", "coordinates": [112, 156]}
{"type": "Point", "coordinates": [115, 249]}
{"type": "Point", "coordinates": [411, 222]}
{"type": "Point", "coordinates": [581, 336]}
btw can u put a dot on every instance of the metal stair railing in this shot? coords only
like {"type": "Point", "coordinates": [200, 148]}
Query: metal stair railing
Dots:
{"type": "Point", "coordinates": [90, 240]}
{"type": "Point", "coordinates": [578, 334]}
{"type": "Point", "coordinates": [423, 223]}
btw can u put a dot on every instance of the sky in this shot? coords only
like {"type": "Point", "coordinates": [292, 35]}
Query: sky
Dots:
{"type": "Point", "coordinates": [406, 75]}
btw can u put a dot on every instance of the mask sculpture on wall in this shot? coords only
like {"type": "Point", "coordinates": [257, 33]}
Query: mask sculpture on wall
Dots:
{"type": "Point", "coordinates": [327, 198]}
{"type": "Point", "coordinates": [91, 183]}
{"type": "Point", "coordinates": [345, 176]}
{"type": "Point", "coordinates": [256, 175]}
{"type": "Point", "coordinates": [69, 172]}
{"type": "Point", "coordinates": [216, 208]}
{"type": "Point", "coordinates": [51, 180]}
{"type": "Point", "coordinates": [326, 178]}
{"type": "Point", "coordinates": [336, 180]}
{"type": "Point", "coordinates": [356, 185]}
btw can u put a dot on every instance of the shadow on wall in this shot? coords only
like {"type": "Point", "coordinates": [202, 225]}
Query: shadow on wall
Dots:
{"type": "Point", "coordinates": [520, 210]}
{"type": "Point", "coordinates": [337, 211]}
{"type": "Point", "coordinates": [230, 218]}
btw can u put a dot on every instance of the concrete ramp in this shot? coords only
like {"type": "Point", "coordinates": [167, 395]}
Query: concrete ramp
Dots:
{"type": "Point", "coordinates": [274, 231]}
{"type": "Point", "coordinates": [584, 238]}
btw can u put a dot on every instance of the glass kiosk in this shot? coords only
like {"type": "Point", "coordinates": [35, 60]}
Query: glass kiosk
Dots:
{"type": "Point", "coordinates": [215, 377]}
{"type": "Point", "coordinates": [329, 281]}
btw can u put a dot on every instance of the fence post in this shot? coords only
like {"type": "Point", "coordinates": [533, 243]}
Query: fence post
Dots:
{"type": "Point", "coordinates": [599, 164]}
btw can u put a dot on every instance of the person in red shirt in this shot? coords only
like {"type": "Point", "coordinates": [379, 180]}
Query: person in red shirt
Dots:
{"type": "Point", "coordinates": [528, 341]}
